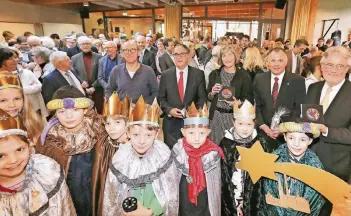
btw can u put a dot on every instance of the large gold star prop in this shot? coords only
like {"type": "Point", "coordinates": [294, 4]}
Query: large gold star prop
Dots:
{"type": "Point", "coordinates": [261, 164]}
{"type": "Point", "coordinates": [257, 162]}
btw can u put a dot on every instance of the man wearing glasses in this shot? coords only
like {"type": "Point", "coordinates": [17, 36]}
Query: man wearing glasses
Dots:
{"type": "Point", "coordinates": [334, 145]}
{"type": "Point", "coordinates": [179, 87]}
{"type": "Point", "coordinates": [132, 78]}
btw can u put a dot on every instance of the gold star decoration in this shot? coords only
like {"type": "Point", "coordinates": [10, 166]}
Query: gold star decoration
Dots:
{"type": "Point", "coordinates": [257, 162]}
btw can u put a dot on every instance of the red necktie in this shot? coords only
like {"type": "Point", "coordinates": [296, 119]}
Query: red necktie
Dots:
{"type": "Point", "coordinates": [275, 91]}
{"type": "Point", "coordinates": [181, 86]}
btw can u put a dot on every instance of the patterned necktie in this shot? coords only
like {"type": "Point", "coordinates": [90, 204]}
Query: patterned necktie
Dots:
{"type": "Point", "coordinates": [275, 91]}
{"type": "Point", "coordinates": [70, 79]}
{"type": "Point", "coordinates": [181, 86]}
{"type": "Point", "coordinates": [326, 99]}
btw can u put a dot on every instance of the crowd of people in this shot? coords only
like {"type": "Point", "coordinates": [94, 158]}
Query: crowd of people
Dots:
{"type": "Point", "coordinates": [149, 126]}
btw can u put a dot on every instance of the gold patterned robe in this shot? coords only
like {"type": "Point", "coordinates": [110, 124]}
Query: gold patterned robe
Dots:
{"type": "Point", "coordinates": [44, 193]}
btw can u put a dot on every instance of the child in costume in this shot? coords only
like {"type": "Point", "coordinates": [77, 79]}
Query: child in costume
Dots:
{"type": "Point", "coordinates": [14, 102]}
{"type": "Point", "coordinates": [198, 161]}
{"type": "Point", "coordinates": [142, 168]}
{"type": "Point", "coordinates": [70, 138]}
{"type": "Point", "coordinates": [30, 184]}
{"type": "Point", "coordinates": [115, 117]}
{"type": "Point", "coordinates": [240, 196]}
{"type": "Point", "coordinates": [298, 137]}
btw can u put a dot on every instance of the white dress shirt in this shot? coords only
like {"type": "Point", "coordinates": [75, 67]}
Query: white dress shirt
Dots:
{"type": "Point", "coordinates": [76, 81]}
{"type": "Point", "coordinates": [185, 76]}
{"type": "Point", "coordinates": [294, 62]}
{"type": "Point", "coordinates": [280, 76]}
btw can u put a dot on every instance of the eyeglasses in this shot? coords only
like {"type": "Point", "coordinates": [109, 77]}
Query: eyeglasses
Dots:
{"type": "Point", "coordinates": [131, 51]}
{"type": "Point", "coordinates": [85, 44]}
{"type": "Point", "coordinates": [179, 55]}
{"type": "Point", "coordinates": [333, 66]}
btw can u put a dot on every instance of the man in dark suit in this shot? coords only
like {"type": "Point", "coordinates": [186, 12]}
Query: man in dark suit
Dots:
{"type": "Point", "coordinates": [203, 49]}
{"type": "Point", "coordinates": [107, 63]}
{"type": "Point", "coordinates": [334, 145]}
{"type": "Point", "coordinates": [86, 65]}
{"type": "Point", "coordinates": [275, 89]}
{"type": "Point", "coordinates": [146, 57]}
{"type": "Point", "coordinates": [150, 44]}
{"type": "Point", "coordinates": [179, 87]}
{"type": "Point", "coordinates": [166, 60]}
{"type": "Point", "coordinates": [294, 56]}
{"type": "Point", "coordinates": [63, 75]}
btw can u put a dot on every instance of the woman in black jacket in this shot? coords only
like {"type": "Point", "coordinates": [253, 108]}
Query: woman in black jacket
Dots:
{"type": "Point", "coordinates": [253, 63]}
{"type": "Point", "coordinates": [221, 112]}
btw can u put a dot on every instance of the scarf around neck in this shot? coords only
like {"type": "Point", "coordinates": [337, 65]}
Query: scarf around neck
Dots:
{"type": "Point", "coordinates": [196, 170]}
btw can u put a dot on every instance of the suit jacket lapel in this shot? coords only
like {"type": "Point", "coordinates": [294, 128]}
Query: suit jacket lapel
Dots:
{"type": "Point", "coordinates": [268, 88]}
{"type": "Point", "coordinates": [188, 83]}
{"type": "Point", "coordinates": [104, 67]}
{"type": "Point", "coordinates": [175, 85]}
{"type": "Point", "coordinates": [84, 74]}
{"type": "Point", "coordinates": [283, 87]}
{"type": "Point", "coordinates": [337, 99]}
{"type": "Point", "coordinates": [61, 78]}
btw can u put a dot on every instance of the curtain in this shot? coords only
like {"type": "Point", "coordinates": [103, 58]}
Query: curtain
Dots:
{"type": "Point", "coordinates": [172, 21]}
{"type": "Point", "coordinates": [301, 20]}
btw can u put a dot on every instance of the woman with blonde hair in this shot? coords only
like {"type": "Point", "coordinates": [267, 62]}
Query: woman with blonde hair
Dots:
{"type": "Point", "coordinates": [238, 86]}
{"type": "Point", "coordinates": [12, 97]}
{"type": "Point", "coordinates": [253, 63]}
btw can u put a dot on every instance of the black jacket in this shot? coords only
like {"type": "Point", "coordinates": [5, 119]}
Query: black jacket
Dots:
{"type": "Point", "coordinates": [241, 82]}
{"type": "Point", "coordinates": [253, 194]}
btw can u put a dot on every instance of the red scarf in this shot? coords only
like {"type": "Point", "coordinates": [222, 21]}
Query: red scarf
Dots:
{"type": "Point", "coordinates": [196, 170]}
{"type": "Point", "coordinates": [7, 190]}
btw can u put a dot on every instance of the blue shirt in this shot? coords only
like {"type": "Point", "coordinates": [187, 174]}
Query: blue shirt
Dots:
{"type": "Point", "coordinates": [110, 63]}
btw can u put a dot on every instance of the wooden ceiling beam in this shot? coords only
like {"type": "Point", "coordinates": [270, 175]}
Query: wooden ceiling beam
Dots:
{"type": "Point", "coordinates": [136, 2]}
{"type": "Point", "coordinates": [107, 5]}
{"type": "Point", "coordinates": [52, 2]}
{"type": "Point", "coordinates": [120, 2]}
{"type": "Point", "coordinates": [152, 2]}
{"type": "Point", "coordinates": [196, 1]}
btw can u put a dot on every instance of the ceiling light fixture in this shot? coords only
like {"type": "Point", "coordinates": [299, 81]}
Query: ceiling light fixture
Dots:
{"type": "Point", "coordinates": [86, 4]}
{"type": "Point", "coordinates": [125, 14]}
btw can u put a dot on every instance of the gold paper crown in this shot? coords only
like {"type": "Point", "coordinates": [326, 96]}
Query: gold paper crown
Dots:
{"type": "Point", "coordinates": [8, 80]}
{"type": "Point", "coordinates": [116, 107]}
{"type": "Point", "coordinates": [245, 111]}
{"type": "Point", "coordinates": [9, 125]}
{"type": "Point", "coordinates": [192, 112]}
{"type": "Point", "coordinates": [143, 113]}
{"type": "Point", "coordinates": [195, 116]}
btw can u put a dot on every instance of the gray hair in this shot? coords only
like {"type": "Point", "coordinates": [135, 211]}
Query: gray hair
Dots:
{"type": "Point", "coordinates": [56, 57]}
{"type": "Point", "coordinates": [111, 43]}
{"type": "Point", "coordinates": [216, 50]}
{"type": "Point", "coordinates": [48, 42]}
{"type": "Point", "coordinates": [33, 38]}
{"type": "Point", "coordinates": [83, 39]}
{"type": "Point", "coordinates": [340, 51]}
{"type": "Point", "coordinates": [43, 52]}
